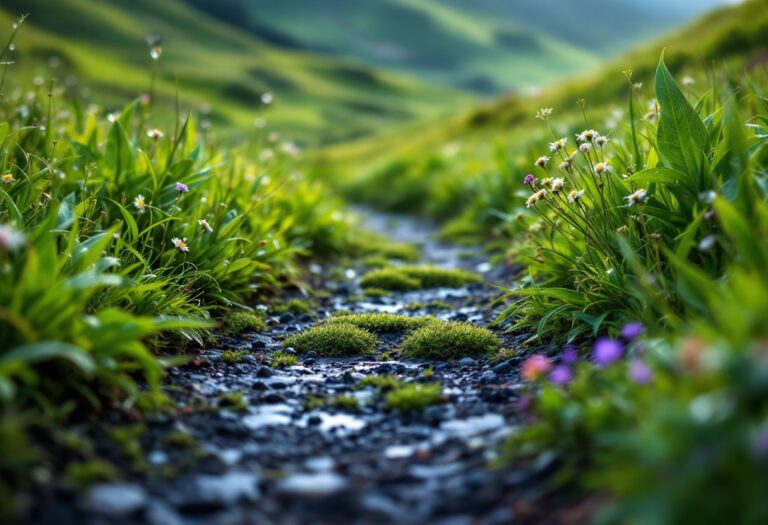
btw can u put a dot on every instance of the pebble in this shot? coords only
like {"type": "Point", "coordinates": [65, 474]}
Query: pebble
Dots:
{"type": "Point", "coordinates": [503, 368]}
{"type": "Point", "coordinates": [117, 500]}
{"type": "Point", "coordinates": [264, 371]}
{"type": "Point", "coordinates": [466, 361]}
{"type": "Point", "coordinates": [315, 485]}
{"type": "Point", "coordinates": [286, 318]}
{"type": "Point", "coordinates": [489, 376]}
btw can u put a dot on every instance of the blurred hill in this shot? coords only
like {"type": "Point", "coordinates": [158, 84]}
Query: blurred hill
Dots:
{"type": "Point", "coordinates": [483, 46]}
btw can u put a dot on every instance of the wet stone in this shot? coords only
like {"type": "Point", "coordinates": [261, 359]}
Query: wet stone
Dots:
{"type": "Point", "coordinates": [115, 500]}
{"type": "Point", "coordinates": [264, 371]}
{"type": "Point", "coordinates": [315, 485]}
{"type": "Point", "coordinates": [286, 318]}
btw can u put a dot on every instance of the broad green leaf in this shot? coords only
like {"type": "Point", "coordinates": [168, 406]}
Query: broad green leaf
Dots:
{"type": "Point", "coordinates": [682, 138]}
{"type": "Point", "coordinates": [45, 351]}
{"type": "Point", "coordinates": [118, 154]}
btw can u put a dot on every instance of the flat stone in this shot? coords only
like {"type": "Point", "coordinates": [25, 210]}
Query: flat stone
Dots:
{"type": "Point", "coordinates": [115, 500]}
{"type": "Point", "coordinates": [315, 485]}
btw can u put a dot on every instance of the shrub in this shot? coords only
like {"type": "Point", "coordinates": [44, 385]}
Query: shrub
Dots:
{"type": "Point", "coordinates": [336, 339]}
{"type": "Point", "coordinates": [450, 341]}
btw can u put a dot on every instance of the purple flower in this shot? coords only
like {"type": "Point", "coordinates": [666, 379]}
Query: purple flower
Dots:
{"type": "Point", "coordinates": [523, 403]}
{"type": "Point", "coordinates": [561, 375]}
{"type": "Point", "coordinates": [606, 351]}
{"type": "Point", "coordinates": [181, 187]}
{"type": "Point", "coordinates": [528, 180]}
{"type": "Point", "coordinates": [569, 355]}
{"type": "Point", "coordinates": [640, 372]}
{"type": "Point", "coordinates": [632, 331]}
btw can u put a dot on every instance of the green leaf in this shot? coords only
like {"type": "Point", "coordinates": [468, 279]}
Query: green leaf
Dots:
{"type": "Point", "coordinates": [66, 214]}
{"type": "Point", "coordinates": [45, 351]}
{"type": "Point", "coordinates": [682, 138]}
{"type": "Point", "coordinates": [118, 154]}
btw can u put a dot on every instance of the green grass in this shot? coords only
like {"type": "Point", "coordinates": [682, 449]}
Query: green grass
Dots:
{"type": "Point", "coordinates": [282, 360]}
{"type": "Point", "coordinates": [413, 397]}
{"type": "Point", "coordinates": [233, 356]}
{"type": "Point", "coordinates": [382, 323]}
{"type": "Point", "coordinates": [337, 339]}
{"type": "Point", "coordinates": [447, 341]}
{"type": "Point", "coordinates": [406, 278]}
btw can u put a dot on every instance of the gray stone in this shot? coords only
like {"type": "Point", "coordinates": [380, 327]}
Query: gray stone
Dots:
{"type": "Point", "coordinates": [115, 500]}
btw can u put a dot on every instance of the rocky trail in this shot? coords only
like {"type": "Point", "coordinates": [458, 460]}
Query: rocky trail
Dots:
{"type": "Point", "coordinates": [265, 451]}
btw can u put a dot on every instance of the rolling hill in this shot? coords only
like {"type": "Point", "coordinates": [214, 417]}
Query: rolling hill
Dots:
{"type": "Point", "coordinates": [484, 46]}
{"type": "Point", "coordinates": [317, 98]}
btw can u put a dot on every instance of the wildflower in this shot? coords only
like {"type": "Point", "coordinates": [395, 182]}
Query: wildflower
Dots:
{"type": "Point", "coordinates": [602, 167]}
{"type": "Point", "coordinates": [536, 197]}
{"type": "Point", "coordinates": [632, 331]}
{"type": "Point", "coordinates": [10, 238]}
{"type": "Point", "coordinates": [182, 188]}
{"type": "Point", "coordinates": [558, 144]}
{"type": "Point", "coordinates": [8, 179]}
{"type": "Point", "coordinates": [707, 243]}
{"type": "Point", "coordinates": [558, 183]}
{"type": "Point", "coordinates": [543, 113]}
{"type": "Point", "coordinates": [588, 135]}
{"type": "Point", "coordinates": [542, 162]}
{"type": "Point", "coordinates": [536, 366]}
{"type": "Point", "coordinates": [575, 195]}
{"type": "Point", "coordinates": [155, 134]}
{"type": "Point", "coordinates": [606, 351]}
{"type": "Point", "coordinates": [584, 148]}
{"type": "Point", "coordinates": [601, 140]}
{"type": "Point", "coordinates": [640, 373]}
{"type": "Point", "coordinates": [622, 229]}
{"type": "Point", "coordinates": [180, 244]}
{"type": "Point", "coordinates": [523, 403]}
{"type": "Point", "coordinates": [267, 98]}
{"type": "Point", "coordinates": [529, 180]}
{"type": "Point", "coordinates": [546, 181]}
{"type": "Point", "coordinates": [688, 81]}
{"type": "Point", "coordinates": [565, 165]}
{"type": "Point", "coordinates": [569, 355]}
{"type": "Point", "coordinates": [140, 203]}
{"type": "Point", "coordinates": [204, 225]}
{"type": "Point", "coordinates": [561, 375]}
{"type": "Point", "coordinates": [155, 52]}
{"type": "Point", "coordinates": [637, 197]}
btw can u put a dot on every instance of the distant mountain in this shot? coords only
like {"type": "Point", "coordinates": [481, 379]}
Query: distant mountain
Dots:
{"type": "Point", "coordinates": [486, 46]}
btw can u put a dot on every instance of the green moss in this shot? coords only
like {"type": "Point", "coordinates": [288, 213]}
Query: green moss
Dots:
{"type": "Point", "coordinates": [334, 339]}
{"type": "Point", "coordinates": [405, 278]}
{"type": "Point", "coordinates": [128, 439]}
{"type": "Point", "coordinates": [383, 383]}
{"type": "Point", "coordinates": [376, 261]}
{"type": "Point", "coordinates": [282, 360]}
{"type": "Point", "coordinates": [86, 473]}
{"type": "Point", "coordinates": [240, 322]}
{"type": "Point", "coordinates": [431, 305]}
{"type": "Point", "coordinates": [154, 402]}
{"type": "Point", "coordinates": [375, 292]}
{"type": "Point", "coordinates": [313, 402]}
{"type": "Point", "coordinates": [233, 356]}
{"type": "Point", "coordinates": [234, 401]}
{"type": "Point", "coordinates": [414, 397]}
{"type": "Point", "coordinates": [294, 306]}
{"type": "Point", "coordinates": [180, 439]}
{"type": "Point", "coordinates": [383, 323]}
{"type": "Point", "coordinates": [503, 355]}
{"type": "Point", "coordinates": [450, 341]}
{"type": "Point", "coordinates": [346, 401]}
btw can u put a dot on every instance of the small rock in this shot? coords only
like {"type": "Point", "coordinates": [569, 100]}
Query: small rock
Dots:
{"type": "Point", "coordinates": [273, 398]}
{"type": "Point", "coordinates": [316, 485]}
{"type": "Point", "coordinates": [264, 371]}
{"type": "Point", "coordinates": [503, 368]}
{"type": "Point", "coordinates": [314, 420]}
{"type": "Point", "coordinates": [489, 376]}
{"type": "Point", "coordinates": [305, 318]}
{"type": "Point", "coordinates": [258, 345]}
{"type": "Point", "coordinates": [466, 361]}
{"type": "Point", "coordinates": [310, 361]}
{"type": "Point", "coordinates": [260, 386]}
{"type": "Point", "coordinates": [115, 500]}
{"type": "Point", "coordinates": [289, 351]}
{"type": "Point", "coordinates": [286, 318]}
{"type": "Point", "coordinates": [311, 353]}
{"type": "Point", "coordinates": [279, 385]}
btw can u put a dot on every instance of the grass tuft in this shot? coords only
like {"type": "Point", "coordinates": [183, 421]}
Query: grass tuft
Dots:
{"type": "Point", "coordinates": [450, 341]}
{"type": "Point", "coordinates": [413, 397]}
{"type": "Point", "coordinates": [233, 356]}
{"type": "Point", "coordinates": [336, 339]}
{"type": "Point", "coordinates": [282, 360]}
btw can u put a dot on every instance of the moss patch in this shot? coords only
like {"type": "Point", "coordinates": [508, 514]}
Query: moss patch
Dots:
{"type": "Point", "coordinates": [375, 292]}
{"type": "Point", "coordinates": [234, 401]}
{"type": "Point", "coordinates": [383, 323]}
{"type": "Point", "coordinates": [450, 341]}
{"type": "Point", "coordinates": [334, 339]}
{"type": "Point", "coordinates": [239, 322]}
{"type": "Point", "coordinates": [294, 306]}
{"type": "Point", "coordinates": [414, 397]}
{"type": "Point", "coordinates": [282, 360]}
{"type": "Point", "coordinates": [384, 383]}
{"type": "Point", "coordinates": [233, 356]}
{"type": "Point", "coordinates": [84, 474]}
{"type": "Point", "coordinates": [405, 278]}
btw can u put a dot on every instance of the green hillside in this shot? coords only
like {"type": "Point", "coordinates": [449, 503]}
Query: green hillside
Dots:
{"type": "Point", "coordinates": [485, 46]}
{"type": "Point", "coordinates": [447, 168]}
{"type": "Point", "coordinates": [316, 98]}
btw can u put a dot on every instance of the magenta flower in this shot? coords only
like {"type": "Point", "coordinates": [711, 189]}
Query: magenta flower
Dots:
{"type": "Point", "coordinates": [523, 403]}
{"type": "Point", "coordinates": [569, 355]}
{"type": "Point", "coordinates": [181, 187]}
{"type": "Point", "coordinates": [640, 373]}
{"type": "Point", "coordinates": [632, 331]}
{"type": "Point", "coordinates": [535, 367]}
{"type": "Point", "coordinates": [606, 351]}
{"type": "Point", "coordinates": [561, 375]}
{"type": "Point", "coordinates": [528, 180]}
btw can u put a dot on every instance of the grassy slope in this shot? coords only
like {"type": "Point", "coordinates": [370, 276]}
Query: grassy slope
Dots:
{"type": "Point", "coordinates": [728, 33]}
{"type": "Point", "coordinates": [316, 98]}
{"type": "Point", "coordinates": [486, 45]}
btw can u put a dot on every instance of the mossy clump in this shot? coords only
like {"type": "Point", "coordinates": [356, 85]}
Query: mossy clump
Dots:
{"type": "Point", "coordinates": [240, 322]}
{"type": "Point", "coordinates": [375, 261]}
{"type": "Point", "coordinates": [383, 323]}
{"type": "Point", "coordinates": [414, 397]}
{"type": "Point", "coordinates": [384, 383]}
{"type": "Point", "coordinates": [334, 339]}
{"type": "Point", "coordinates": [233, 356]}
{"type": "Point", "coordinates": [406, 278]}
{"type": "Point", "coordinates": [234, 401]}
{"type": "Point", "coordinates": [179, 439]}
{"type": "Point", "coordinates": [375, 292]}
{"type": "Point", "coordinates": [86, 473]}
{"type": "Point", "coordinates": [346, 401]}
{"type": "Point", "coordinates": [294, 306]}
{"type": "Point", "coordinates": [452, 340]}
{"type": "Point", "coordinates": [282, 360]}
